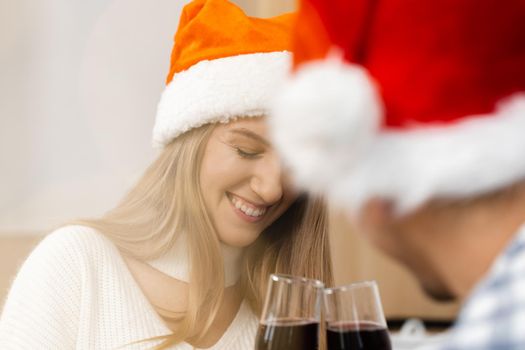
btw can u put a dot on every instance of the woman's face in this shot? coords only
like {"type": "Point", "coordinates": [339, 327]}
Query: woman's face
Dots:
{"type": "Point", "coordinates": [242, 181]}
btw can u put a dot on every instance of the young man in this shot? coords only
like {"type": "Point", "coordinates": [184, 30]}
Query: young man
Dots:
{"type": "Point", "coordinates": [412, 115]}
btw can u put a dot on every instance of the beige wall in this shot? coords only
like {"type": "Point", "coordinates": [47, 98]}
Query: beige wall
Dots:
{"type": "Point", "coordinates": [266, 8]}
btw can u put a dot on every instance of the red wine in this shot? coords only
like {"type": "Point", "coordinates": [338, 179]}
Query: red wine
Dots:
{"type": "Point", "coordinates": [357, 336]}
{"type": "Point", "coordinates": [288, 335]}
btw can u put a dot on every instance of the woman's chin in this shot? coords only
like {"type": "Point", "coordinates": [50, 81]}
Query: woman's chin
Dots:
{"type": "Point", "coordinates": [239, 241]}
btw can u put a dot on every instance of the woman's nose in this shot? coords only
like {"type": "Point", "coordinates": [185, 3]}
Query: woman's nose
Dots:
{"type": "Point", "coordinates": [268, 181]}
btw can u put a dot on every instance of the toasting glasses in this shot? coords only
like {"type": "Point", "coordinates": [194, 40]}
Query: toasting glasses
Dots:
{"type": "Point", "coordinates": [355, 319]}
{"type": "Point", "coordinates": [291, 314]}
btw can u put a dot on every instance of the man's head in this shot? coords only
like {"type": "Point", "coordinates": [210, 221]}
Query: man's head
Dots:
{"type": "Point", "coordinates": [447, 244]}
{"type": "Point", "coordinates": [412, 116]}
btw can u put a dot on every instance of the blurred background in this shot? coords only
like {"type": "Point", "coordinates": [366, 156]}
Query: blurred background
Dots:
{"type": "Point", "coordinates": [79, 85]}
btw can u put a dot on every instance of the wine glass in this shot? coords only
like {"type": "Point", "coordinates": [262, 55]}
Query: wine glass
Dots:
{"type": "Point", "coordinates": [354, 318]}
{"type": "Point", "coordinates": [291, 314]}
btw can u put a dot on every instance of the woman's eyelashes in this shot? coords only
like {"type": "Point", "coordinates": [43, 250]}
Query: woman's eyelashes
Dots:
{"type": "Point", "coordinates": [245, 153]}
{"type": "Point", "coordinates": [246, 149]}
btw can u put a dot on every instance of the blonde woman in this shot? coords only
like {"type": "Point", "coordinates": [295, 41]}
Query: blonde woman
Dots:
{"type": "Point", "coordinates": [182, 262]}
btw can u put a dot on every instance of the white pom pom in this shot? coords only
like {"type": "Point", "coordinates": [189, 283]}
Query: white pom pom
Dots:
{"type": "Point", "coordinates": [324, 120]}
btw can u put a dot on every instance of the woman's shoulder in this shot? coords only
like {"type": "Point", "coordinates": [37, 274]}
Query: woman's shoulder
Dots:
{"type": "Point", "coordinates": [44, 303]}
{"type": "Point", "coordinates": [76, 238]}
{"type": "Point", "coordinates": [69, 256]}
{"type": "Point", "coordinates": [74, 234]}
{"type": "Point", "coordinates": [71, 247]}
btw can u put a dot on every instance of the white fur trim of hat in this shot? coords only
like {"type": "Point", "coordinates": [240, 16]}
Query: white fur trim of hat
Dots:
{"type": "Point", "coordinates": [326, 124]}
{"type": "Point", "coordinates": [219, 90]}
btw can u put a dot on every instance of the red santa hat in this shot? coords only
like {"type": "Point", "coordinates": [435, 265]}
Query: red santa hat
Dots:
{"type": "Point", "coordinates": [405, 100]}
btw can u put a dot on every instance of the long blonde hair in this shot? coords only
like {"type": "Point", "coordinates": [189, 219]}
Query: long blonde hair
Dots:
{"type": "Point", "coordinates": [167, 200]}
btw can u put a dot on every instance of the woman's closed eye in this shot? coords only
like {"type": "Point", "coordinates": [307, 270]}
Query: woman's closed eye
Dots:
{"type": "Point", "coordinates": [246, 153]}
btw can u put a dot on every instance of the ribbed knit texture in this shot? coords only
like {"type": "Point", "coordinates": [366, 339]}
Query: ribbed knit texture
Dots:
{"type": "Point", "coordinates": [175, 262]}
{"type": "Point", "coordinates": [75, 291]}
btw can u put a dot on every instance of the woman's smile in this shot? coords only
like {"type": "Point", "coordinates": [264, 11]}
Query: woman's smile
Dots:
{"type": "Point", "coordinates": [246, 210]}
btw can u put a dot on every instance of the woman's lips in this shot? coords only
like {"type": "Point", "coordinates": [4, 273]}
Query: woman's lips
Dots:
{"type": "Point", "coordinates": [248, 211]}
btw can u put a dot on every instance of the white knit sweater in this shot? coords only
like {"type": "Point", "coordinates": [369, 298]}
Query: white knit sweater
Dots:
{"type": "Point", "coordinates": [75, 292]}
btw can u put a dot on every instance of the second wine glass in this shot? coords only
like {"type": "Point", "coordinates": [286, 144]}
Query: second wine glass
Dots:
{"type": "Point", "coordinates": [355, 319]}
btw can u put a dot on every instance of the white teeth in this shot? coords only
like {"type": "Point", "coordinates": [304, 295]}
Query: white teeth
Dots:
{"type": "Point", "coordinates": [246, 209]}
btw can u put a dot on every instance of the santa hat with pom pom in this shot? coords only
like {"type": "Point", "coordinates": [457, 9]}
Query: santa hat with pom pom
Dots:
{"type": "Point", "coordinates": [224, 65]}
{"type": "Point", "coordinates": [405, 100]}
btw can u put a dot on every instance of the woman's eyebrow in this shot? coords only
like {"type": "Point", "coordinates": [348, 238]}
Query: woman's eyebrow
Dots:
{"type": "Point", "coordinates": [251, 134]}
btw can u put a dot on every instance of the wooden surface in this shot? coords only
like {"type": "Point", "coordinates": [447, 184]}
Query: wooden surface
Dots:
{"type": "Point", "coordinates": [14, 248]}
